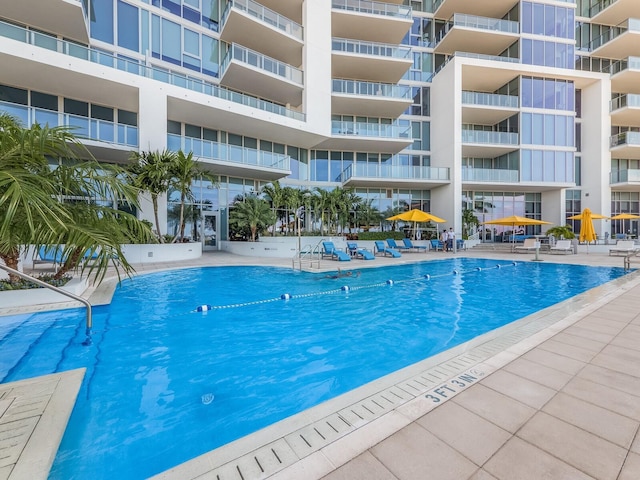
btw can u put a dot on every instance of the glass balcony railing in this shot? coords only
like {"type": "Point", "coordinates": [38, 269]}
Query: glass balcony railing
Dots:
{"type": "Point", "coordinates": [482, 56]}
{"type": "Point", "coordinates": [370, 48]}
{"type": "Point", "coordinates": [489, 99]}
{"type": "Point", "coordinates": [262, 62]}
{"type": "Point", "coordinates": [373, 8]}
{"type": "Point", "coordinates": [630, 63]}
{"type": "Point", "coordinates": [480, 23]}
{"type": "Point", "coordinates": [228, 153]}
{"type": "Point", "coordinates": [398, 172]}
{"type": "Point", "coordinates": [378, 130]}
{"type": "Point", "coordinates": [626, 100]}
{"type": "Point", "coordinates": [623, 176]}
{"type": "Point", "coordinates": [631, 139]}
{"type": "Point", "coordinates": [82, 127]}
{"type": "Point", "coordinates": [492, 138]}
{"type": "Point", "coordinates": [600, 6]}
{"type": "Point", "coordinates": [490, 175]}
{"type": "Point", "coordinates": [110, 60]}
{"type": "Point", "coordinates": [371, 89]}
{"type": "Point", "coordinates": [265, 15]}
{"type": "Point", "coordinates": [631, 25]}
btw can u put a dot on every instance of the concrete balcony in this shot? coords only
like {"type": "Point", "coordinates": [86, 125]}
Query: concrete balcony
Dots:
{"type": "Point", "coordinates": [107, 141]}
{"type": "Point", "coordinates": [488, 108]}
{"type": "Point", "coordinates": [375, 62]}
{"type": "Point", "coordinates": [470, 33]}
{"type": "Point", "coordinates": [370, 21]}
{"type": "Point", "coordinates": [22, 48]}
{"type": "Point", "coordinates": [614, 12]}
{"type": "Point", "coordinates": [487, 144]}
{"type": "Point", "coordinates": [224, 159]}
{"type": "Point", "coordinates": [444, 9]}
{"type": "Point", "coordinates": [625, 145]}
{"type": "Point", "coordinates": [625, 180]}
{"type": "Point", "coordinates": [66, 18]}
{"type": "Point", "coordinates": [625, 75]}
{"type": "Point", "coordinates": [619, 42]}
{"type": "Point", "coordinates": [252, 72]}
{"type": "Point", "coordinates": [480, 178]}
{"type": "Point", "coordinates": [271, 33]}
{"type": "Point", "coordinates": [625, 110]}
{"type": "Point", "coordinates": [369, 99]}
{"type": "Point", "coordinates": [393, 176]}
{"type": "Point", "coordinates": [367, 137]}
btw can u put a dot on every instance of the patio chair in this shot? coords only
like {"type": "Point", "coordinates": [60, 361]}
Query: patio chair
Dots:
{"type": "Point", "coordinates": [333, 253]}
{"type": "Point", "coordinates": [48, 254]}
{"type": "Point", "coordinates": [391, 243]}
{"type": "Point", "coordinates": [529, 245]}
{"type": "Point", "coordinates": [562, 246]}
{"type": "Point", "coordinates": [623, 247]}
{"type": "Point", "coordinates": [358, 252]}
{"type": "Point", "coordinates": [437, 245]}
{"type": "Point", "coordinates": [411, 246]}
{"type": "Point", "coordinates": [380, 247]}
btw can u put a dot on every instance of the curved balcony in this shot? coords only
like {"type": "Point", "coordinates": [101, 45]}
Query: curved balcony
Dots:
{"type": "Point", "coordinates": [625, 145]}
{"type": "Point", "coordinates": [625, 110]}
{"type": "Point", "coordinates": [250, 71]}
{"type": "Point", "coordinates": [470, 33]}
{"type": "Point", "coordinates": [619, 42]}
{"type": "Point", "coordinates": [393, 176]}
{"type": "Point", "coordinates": [369, 99]}
{"type": "Point", "coordinates": [271, 33]}
{"type": "Point", "coordinates": [376, 62]}
{"type": "Point", "coordinates": [109, 60]}
{"type": "Point", "coordinates": [487, 144]}
{"type": "Point", "coordinates": [625, 180]}
{"type": "Point", "coordinates": [370, 21]}
{"type": "Point", "coordinates": [487, 108]}
{"type": "Point", "coordinates": [105, 140]}
{"type": "Point", "coordinates": [225, 159]}
{"type": "Point", "coordinates": [625, 75]}
{"type": "Point", "coordinates": [614, 12]}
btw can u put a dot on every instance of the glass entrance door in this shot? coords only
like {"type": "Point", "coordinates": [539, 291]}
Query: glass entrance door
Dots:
{"type": "Point", "coordinates": [209, 233]}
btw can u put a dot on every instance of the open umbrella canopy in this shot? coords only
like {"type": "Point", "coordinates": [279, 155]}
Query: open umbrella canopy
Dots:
{"type": "Point", "coordinates": [417, 215]}
{"type": "Point", "coordinates": [625, 216]}
{"type": "Point", "coordinates": [514, 220]}
{"type": "Point", "coordinates": [592, 216]}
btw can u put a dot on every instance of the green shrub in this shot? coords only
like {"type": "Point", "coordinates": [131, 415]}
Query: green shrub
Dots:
{"type": "Point", "coordinates": [25, 284]}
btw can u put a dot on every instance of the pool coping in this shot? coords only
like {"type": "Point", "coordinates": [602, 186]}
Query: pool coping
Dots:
{"type": "Point", "coordinates": [33, 417]}
{"type": "Point", "coordinates": [316, 441]}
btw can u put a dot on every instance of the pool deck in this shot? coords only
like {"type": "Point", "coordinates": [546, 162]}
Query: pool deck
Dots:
{"type": "Point", "coordinates": [554, 395]}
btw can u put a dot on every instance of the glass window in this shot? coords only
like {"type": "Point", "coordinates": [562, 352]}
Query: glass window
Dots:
{"type": "Point", "coordinates": [526, 98]}
{"type": "Point", "coordinates": [210, 56]}
{"type": "Point", "coordinates": [174, 127]}
{"type": "Point", "coordinates": [191, 42]}
{"type": "Point", "coordinates": [101, 20]}
{"type": "Point", "coordinates": [128, 28]}
{"type": "Point", "coordinates": [76, 107]}
{"type": "Point", "coordinates": [14, 95]}
{"type": "Point", "coordinates": [527, 17]}
{"type": "Point", "coordinates": [526, 129]}
{"type": "Point", "coordinates": [102, 113]}
{"type": "Point", "coordinates": [538, 93]}
{"type": "Point", "coordinates": [172, 6]}
{"type": "Point", "coordinates": [537, 129]}
{"type": "Point", "coordinates": [155, 36]}
{"type": "Point", "coordinates": [44, 100]}
{"type": "Point", "coordinates": [171, 44]}
{"type": "Point", "coordinates": [538, 19]}
{"type": "Point", "coordinates": [128, 118]}
{"type": "Point", "coordinates": [549, 130]}
{"type": "Point", "coordinates": [538, 52]}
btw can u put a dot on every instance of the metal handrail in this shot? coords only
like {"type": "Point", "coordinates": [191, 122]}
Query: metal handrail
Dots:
{"type": "Point", "coordinates": [89, 321]}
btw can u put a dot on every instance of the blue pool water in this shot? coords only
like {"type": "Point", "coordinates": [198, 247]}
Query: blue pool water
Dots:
{"type": "Point", "coordinates": [165, 384]}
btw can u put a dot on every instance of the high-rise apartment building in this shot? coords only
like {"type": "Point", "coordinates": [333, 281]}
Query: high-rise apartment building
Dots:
{"type": "Point", "coordinates": [499, 106]}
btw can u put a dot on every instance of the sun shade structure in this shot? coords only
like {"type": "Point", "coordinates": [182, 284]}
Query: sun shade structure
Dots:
{"type": "Point", "coordinates": [587, 232]}
{"type": "Point", "coordinates": [416, 215]}
{"type": "Point", "coordinates": [514, 220]}
{"type": "Point", "coordinates": [625, 216]}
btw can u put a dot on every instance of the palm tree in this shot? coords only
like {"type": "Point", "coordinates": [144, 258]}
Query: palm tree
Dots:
{"type": "Point", "coordinates": [253, 213]}
{"type": "Point", "coordinates": [184, 171]}
{"type": "Point", "coordinates": [152, 173]}
{"type": "Point", "coordinates": [276, 195]}
{"type": "Point", "coordinates": [368, 214]}
{"type": "Point", "coordinates": [322, 202]}
{"type": "Point", "coordinates": [42, 206]}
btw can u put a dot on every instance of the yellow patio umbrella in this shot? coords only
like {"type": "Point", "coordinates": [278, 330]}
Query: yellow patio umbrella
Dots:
{"type": "Point", "coordinates": [625, 216]}
{"type": "Point", "coordinates": [416, 215]}
{"type": "Point", "coordinates": [514, 220]}
{"type": "Point", "coordinates": [587, 232]}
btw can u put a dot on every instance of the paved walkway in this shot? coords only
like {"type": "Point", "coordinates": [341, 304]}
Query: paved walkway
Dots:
{"type": "Point", "coordinates": [559, 401]}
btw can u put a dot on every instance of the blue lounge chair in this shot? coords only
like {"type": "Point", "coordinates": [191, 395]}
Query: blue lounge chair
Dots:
{"type": "Point", "coordinates": [50, 254]}
{"type": "Point", "coordinates": [358, 252]}
{"type": "Point", "coordinates": [391, 243]}
{"type": "Point", "coordinates": [383, 249]}
{"type": "Point", "coordinates": [410, 245]}
{"type": "Point", "coordinates": [437, 245]}
{"type": "Point", "coordinates": [333, 253]}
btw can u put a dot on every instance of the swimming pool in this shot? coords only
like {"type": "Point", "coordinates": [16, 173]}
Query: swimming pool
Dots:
{"type": "Point", "coordinates": [164, 384]}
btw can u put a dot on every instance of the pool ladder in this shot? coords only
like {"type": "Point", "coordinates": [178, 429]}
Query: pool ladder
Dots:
{"type": "Point", "coordinates": [89, 320]}
{"type": "Point", "coordinates": [308, 255]}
